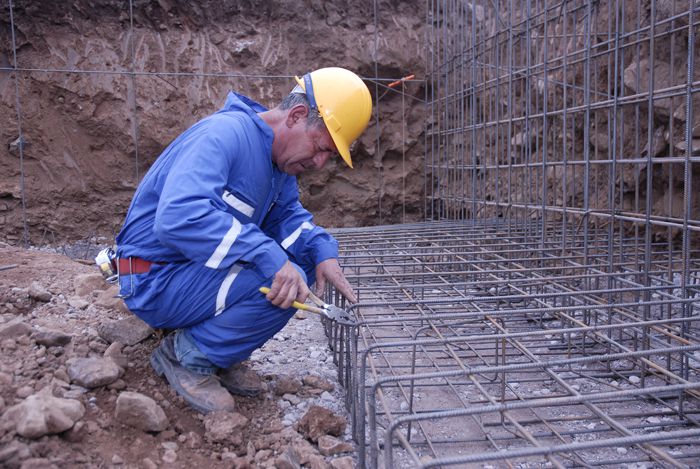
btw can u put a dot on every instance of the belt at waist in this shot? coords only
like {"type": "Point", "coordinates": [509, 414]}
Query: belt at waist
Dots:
{"type": "Point", "coordinates": [134, 265]}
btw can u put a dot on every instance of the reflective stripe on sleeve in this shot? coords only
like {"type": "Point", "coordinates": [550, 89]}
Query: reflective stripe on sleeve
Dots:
{"type": "Point", "coordinates": [225, 287]}
{"type": "Point", "coordinates": [238, 204]}
{"type": "Point", "coordinates": [223, 247]}
{"type": "Point", "coordinates": [289, 240]}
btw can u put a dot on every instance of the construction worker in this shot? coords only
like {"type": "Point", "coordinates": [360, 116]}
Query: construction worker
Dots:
{"type": "Point", "coordinates": [218, 216]}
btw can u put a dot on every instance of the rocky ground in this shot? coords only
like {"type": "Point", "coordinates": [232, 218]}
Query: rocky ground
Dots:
{"type": "Point", "coordinates": [76, 388]}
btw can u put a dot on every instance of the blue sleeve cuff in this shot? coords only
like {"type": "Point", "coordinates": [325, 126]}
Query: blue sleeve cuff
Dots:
{"type": "Point", "coordinates": [326, 251]}
{"type": "Point", "coordinates": [273, 260]}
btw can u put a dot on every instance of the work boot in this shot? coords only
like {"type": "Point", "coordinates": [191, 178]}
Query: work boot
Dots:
{"type": "Point", "coordinates": [202, 392]}
{"type": "Point", "coordinates": [239, 379]}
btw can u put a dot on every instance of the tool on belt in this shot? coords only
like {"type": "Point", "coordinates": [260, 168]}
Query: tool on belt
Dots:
{"type": "Point", "coordinates": [332, 312]}
{"type": "Point", "coordinates": [106, 260]}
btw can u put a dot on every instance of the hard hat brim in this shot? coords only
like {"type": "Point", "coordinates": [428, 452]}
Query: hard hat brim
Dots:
{"type": "Point", "coordinates": [342, 146]}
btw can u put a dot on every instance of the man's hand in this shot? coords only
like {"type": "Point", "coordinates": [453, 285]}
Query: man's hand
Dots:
{"type": "Point", "coordinates": [329, 271]}
{"type": "Point", "coordinates": [287, 285]}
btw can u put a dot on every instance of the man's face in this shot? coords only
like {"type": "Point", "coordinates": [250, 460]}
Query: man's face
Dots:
{"type": "Point", "coordinates": [307, 148]}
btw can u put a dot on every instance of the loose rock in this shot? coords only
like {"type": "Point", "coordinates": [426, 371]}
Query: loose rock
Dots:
{"type": "Point", "coordinates": [222, 426]}
{"type": "Point", "coordinates": [43, 414]}
{"type": "Point", "coordinates": [128, 331]}
{"type": "Point", "coordinates": [93, 372]}
{"type": "Point", "coordinates": [14, 329]}
{"type": "Point", "coordinates": [51, 338]}
{"type": "Point", "coordinates": [109, 299]}
{"type": "Point", "coordinates": [343, 463]}
{"type": "Point", "coordinates": [317, 462]}
{"type": "Point", "coordinates": [329, 445]}
{"type": "Point", "coordinates": [77, 302]}
{"type": "Point", "coordinates": [24, 391]}
{"type": "Point", "coordinates": [285, 384]}
{"type": "Point", "coordinates": [114, 352]}
{"type": "Point", "coordinates": [140, 411]}
{"type": "Point", "coordinates": [289, 459]}
{"type": "Point", "coordinates": [39, 293]}
{"type": "Point", "coordinates": [38, 463]}
{"type": "Point", "coordinates": [77, 433]}
{"type": "Point", "coordinates": [169, 456]}
{"type": "Point", "coordinates": [85, 284]}
{"type": "Point", "coordinates": [317, 382]}
{"type": "Point", "coordinates": [319, 421]}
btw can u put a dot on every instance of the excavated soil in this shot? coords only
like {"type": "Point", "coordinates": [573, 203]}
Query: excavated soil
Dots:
{"type": "Point", "coordinates": [98, 439]}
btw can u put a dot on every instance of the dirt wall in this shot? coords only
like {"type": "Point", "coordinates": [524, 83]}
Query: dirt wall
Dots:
{"type": "Point", "coordinates": [91, 129]}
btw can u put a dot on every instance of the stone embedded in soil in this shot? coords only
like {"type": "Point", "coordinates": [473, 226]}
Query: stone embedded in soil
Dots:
{"type": "Point", "coordinates": [236, 462]}
{"type": "Point", "coordinates": [43, 414]}
{"type": "Point", "coordinates": [149, 464]}
{"type": "Point", "coordinates": [343, 463]}
{"type": "Point", "coordinates": [77, 433]}
{"type": "Point", "coordinates": [169, 457]}
{"type": "Point", "coordinates": [140, 411]}
{"type": "Point", "coordinates": [289, 459]}
{"type": "Point", "coordinates": [14, 329]}
{"type": "Point", "coordinates": [329, 445]}
{"type": "Point", "coordinates": [38, 463]}
{"type": "Point", "coordinates": [52, 338]}
{"type": "Point", "coordinates": [317, 382]}
{"type": "Point", "coordinates": [24, 391]}
{"type": "Point", "coordinates": [14, 451]}
{"type": "Point", "coordinates": [303, 448]}
{"type": "Point", "coordinates": [85, 284]}
{"type": "Point", "coordinates": [128, 331]}
{"type": "Point", "coordinates": [110, 299]}
{"type": "Point", "coordinates": [285, 384]}
{"type": "Point", "coordinates": [114, 351]}
{"type": "Point", "coordinates": [222, 426]}
{"type": "Point", "coordinates": [93, 372]}
{"type": "Point", "coordinates": [291, 398]}
{"type": "Point", "coordinates": [39, 292]}
{"type": "Point", "coordinates": [317, 462]}
{"type": "Point", "coordinates": [77, 302]}
{"type": "Point", "coordinates": [262, 455]}
{"type": "Point", "coordinates": [319, 421]}
{"type": "Point", "coordinates": [118, 385]}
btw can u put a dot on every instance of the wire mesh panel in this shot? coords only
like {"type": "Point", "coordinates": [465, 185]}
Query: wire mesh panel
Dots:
{"type": "Point", "coordinates": [547, 313]}
{"type": "Point", "coordinates": [476, 346]}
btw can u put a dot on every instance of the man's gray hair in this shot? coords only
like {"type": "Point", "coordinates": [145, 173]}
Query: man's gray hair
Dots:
{"type": "Point", "coordinates": [296, 97]}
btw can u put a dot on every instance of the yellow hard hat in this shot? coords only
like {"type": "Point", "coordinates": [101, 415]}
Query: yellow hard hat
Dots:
{"type": "Point", "coordinates": [343, 100]}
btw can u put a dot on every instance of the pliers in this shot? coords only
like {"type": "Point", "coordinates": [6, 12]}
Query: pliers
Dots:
{"type": "Point", "coordinates": [332, 312]}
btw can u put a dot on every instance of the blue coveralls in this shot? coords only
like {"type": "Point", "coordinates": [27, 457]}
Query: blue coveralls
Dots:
{"type": "Point", "coordinates": [220, 220]}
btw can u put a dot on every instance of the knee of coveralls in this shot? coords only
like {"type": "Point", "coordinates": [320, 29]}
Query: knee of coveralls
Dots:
{"type": "Point", "coordinates": [245, 324]}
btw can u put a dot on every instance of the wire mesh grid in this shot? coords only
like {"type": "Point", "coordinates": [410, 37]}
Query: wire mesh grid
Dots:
{"type": "Point", "coordinates": [547, 316]}
{"type": "Point", "coordinates": [475, 345]}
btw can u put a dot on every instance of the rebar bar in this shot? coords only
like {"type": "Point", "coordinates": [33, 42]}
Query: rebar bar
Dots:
{"type": "Point", "coordinates": [481, 342]}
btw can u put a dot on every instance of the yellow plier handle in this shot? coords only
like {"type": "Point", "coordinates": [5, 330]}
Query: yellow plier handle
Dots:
{"type": "Point", "coordinates": [296, 304]}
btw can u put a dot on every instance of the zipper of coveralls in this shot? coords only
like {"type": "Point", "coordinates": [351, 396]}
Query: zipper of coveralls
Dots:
{"type": "Point", "coordinates": [270, 198]}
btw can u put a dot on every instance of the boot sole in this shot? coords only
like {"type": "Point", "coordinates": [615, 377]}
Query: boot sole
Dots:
{"type": "Point", "coordinates": [241, 392]}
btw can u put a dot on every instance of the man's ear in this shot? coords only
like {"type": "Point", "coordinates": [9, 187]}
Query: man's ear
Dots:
{"type": "Point", "coordinates": [296, 114]}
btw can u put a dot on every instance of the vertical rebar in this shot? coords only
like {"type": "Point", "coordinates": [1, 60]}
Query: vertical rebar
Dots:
{"type": "Point", "coordinates": [20, 136]}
